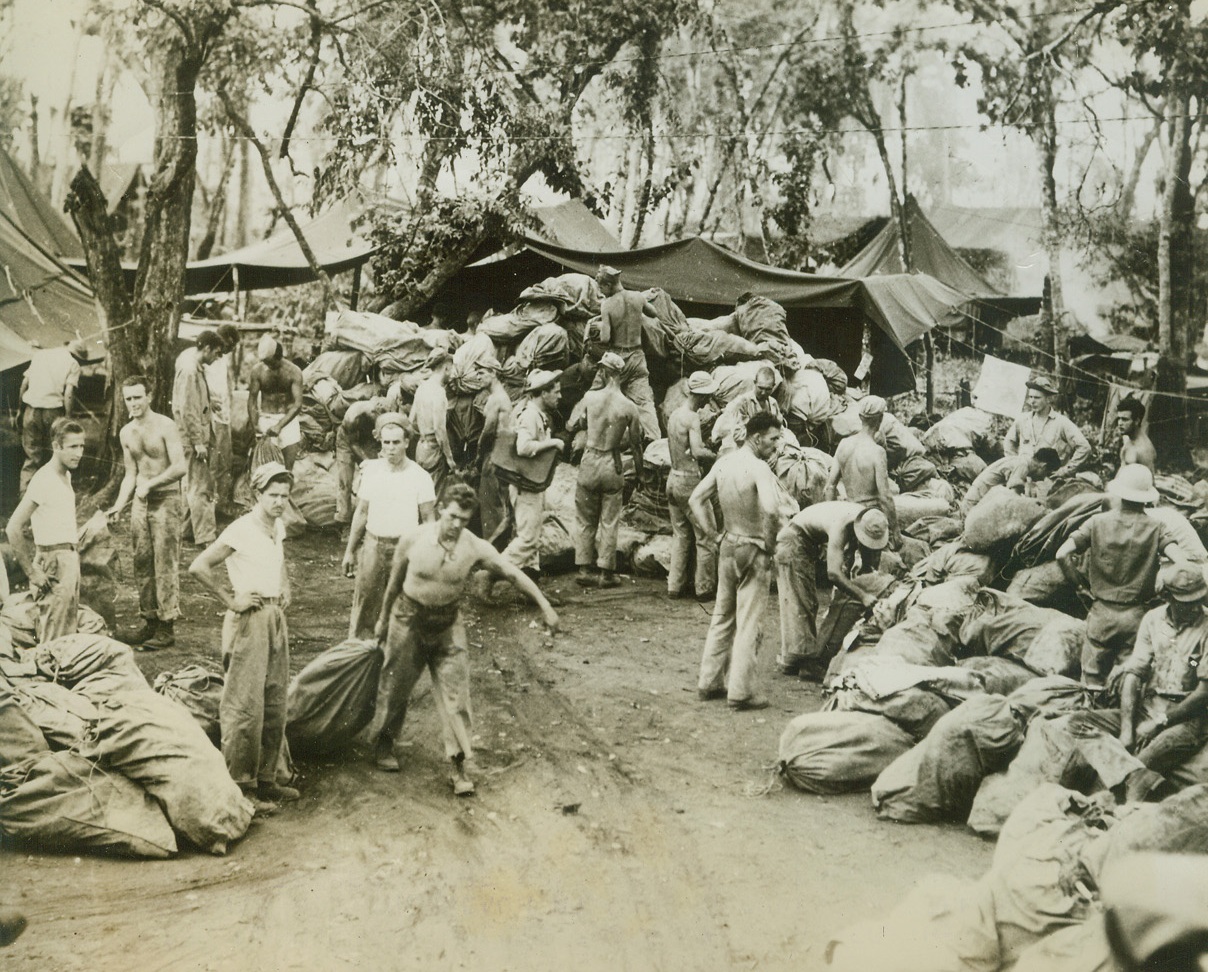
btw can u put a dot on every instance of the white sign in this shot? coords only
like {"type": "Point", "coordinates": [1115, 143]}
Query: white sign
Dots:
{"type": "Point", "coordinates": [1000, 387]}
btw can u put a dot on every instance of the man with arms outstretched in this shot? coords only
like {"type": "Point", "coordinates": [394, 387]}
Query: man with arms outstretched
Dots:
{"type": "Point", "coordinates": [155, 463]}
{"type": "Point", "coordinates": [420, 626]}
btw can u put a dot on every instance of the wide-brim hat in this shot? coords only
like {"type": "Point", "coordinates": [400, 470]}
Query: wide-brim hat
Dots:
{"type": "Point", "coordinates": [702, 383]}
{"type": "Point", "coordinates": [537, 381]}
{"type": "Point", "coordinates": [872, 530]}
{"type": "Point", "coordinates": [1183, 582]}
{"type": "Point", "coordinates": [1041, 383]}
{"type": "Point", "coordinates": [79, 350]}
{"type": "Point", "coordinates": [1134, 483]}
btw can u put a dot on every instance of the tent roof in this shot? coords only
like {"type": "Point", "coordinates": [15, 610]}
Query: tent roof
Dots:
{"type": "Point", "coordinates": [930, 252]}
{"type": "Point", "coordinates": [33, 213]}
{"type": "Point", "coordinates": [1014, 230]}
{"type": "Point", "coordinates": [43, 303]}
{"type": "Point", "coordinates": [904, 306]}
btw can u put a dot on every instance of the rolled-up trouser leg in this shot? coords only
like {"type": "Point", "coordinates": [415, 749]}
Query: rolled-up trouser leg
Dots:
{"type": "Point", "coordinates": [529, 510]}
{"type": "Point", "coordinates": [373, 571]}
{"type": "Point", "coordinates": [754, 580]}
{"type": "Point", "coordinates": [797, 590]}
{"type": "Point", "coordinates": [448, 663]}
{"type": "Point", "coordinates": [255, 657]}
{"type": "Point", "coordinates": [59, 603]}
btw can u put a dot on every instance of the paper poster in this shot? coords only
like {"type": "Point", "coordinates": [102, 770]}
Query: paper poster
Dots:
{"type": "Point", "coordinates": [1000, 387]}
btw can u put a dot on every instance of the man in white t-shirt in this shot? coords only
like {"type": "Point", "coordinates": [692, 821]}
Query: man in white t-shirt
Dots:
{"type": "Point", "coordinates": [395, 496]}
{"type": "Point", "coordinates": [255, 640]}
{"type": "Point", "coordinates": [48, 507]}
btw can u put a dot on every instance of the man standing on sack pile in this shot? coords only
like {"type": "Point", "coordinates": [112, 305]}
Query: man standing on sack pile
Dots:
{"type": "Point", "coordinates": [863, 468]}
{"type": "Point", "coordinates": [430, 419]}
{"type": "Point", "coordinates": [274, 398]}
{"type": "Point", "coordinates": [833, 532]}
{"type": "Point", "coordinates": [420, 627]}
{"type": "Point", "coordinates": [191, 413]}
{"type": "Point", "coordinates": [255, 639]}
{"type": "Point", "coordinates": [47, 393]}
{"type": "Point", "coordinates": [52, 563]}
{"type": "Point", "coordinates": [732, 422]}
{"type": "Point", "coordinates": [542, 393]}
{"type": "Point", "coordinates": [1121, 548]}
{"type": "Point", "coordinates": [1040, 425]}
{"type": "Point", "coordinates": [621, 314]}
{"type": "Point", "coordinates": [395, 496]}
{"type": "Point", "coordinates": [686, 447]}
{"type": "Point", "coordinates": [155, 464]}
{"type": "Point", "coordinates": [749, 495]}
{"type": "Point", "coordinates": [611, 420]}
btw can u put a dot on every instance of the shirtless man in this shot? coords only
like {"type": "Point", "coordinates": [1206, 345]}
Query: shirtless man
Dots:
{"type": "Point", "coordinates": [835, 531]}
{"type": "Point", "coordinates": [155, 463]}
{"type": "Point", "coordinates": [862, 465]}
{"type": "Point", "coordinates": [612, 422]}
{"type": "Point", "coordinates": [420, 626]}
{"type": "Point", "coordinates": [494, 511]}
{"type": "Point", "coordinates": [1135, 445]}
{"type": "Point", "coordinates": [746, 488]}
{"type": "Point", "coordinates": [274, 398]}
{"type": "Point", "coordinates": [686, 446]}
{"type": "Point", "coordinates": [621, 313]}
{"type": "Point", "coordinates": [430, 417]}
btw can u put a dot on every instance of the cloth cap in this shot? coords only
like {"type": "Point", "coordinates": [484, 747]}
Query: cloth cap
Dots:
{"type": "Point", "coordinates": [611, 361]}
{"type": "Point", "coordinates": [78, 349]}
{"type": "Point", "coordinates": [263, 475]}
{"type": "Point", "coordinates": [1183, 582]}
{"type": "Point", "coordinates": [1041, 383]}
{"type": "Point", "coordinates": [436, 357]}
{"type": "Point", "coordinates": [608, 273]}
{"type": "Point", "coordinates": [1134, 483]}
{"type": "Point", "coordinates": [872, 530]}
{"type": "Point", "coordinates": [539, 380]}
{"type": "Point", "coordinates": [872, 405]}
{"type": "Point", "coordinates": [267, 347]}
{"type": "Point", "coordinates": [702, 383]}
{"type": "Point", "coordinates": [391, 418]}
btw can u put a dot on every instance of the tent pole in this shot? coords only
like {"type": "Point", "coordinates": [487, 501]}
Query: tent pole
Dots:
{"type": "Point", "coordinates": [235, 280]}
{"type": "Point", "coordinates": [929, 352]}
{"type": "Point", "coordinates": [356, 285]}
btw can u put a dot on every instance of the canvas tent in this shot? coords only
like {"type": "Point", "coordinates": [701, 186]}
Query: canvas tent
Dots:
{"type": "Point", "coordinates": [34, 214]}
{"type": "Point", "coordinates": [826, 315]}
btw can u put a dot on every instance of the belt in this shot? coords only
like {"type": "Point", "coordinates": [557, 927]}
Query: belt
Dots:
{"type": "Point", "coordinates": [52, 547]}
{"type": "Point", "coordinates": [741, 538]}
{"type": "Point", "coordinates": [628, 347]}
{"type": "Point", "coordinates": [602, 452]}
{"type": "Point", "coordinates": [1121, 605]}
{"type": "Point", "coordinates": [374, 536]}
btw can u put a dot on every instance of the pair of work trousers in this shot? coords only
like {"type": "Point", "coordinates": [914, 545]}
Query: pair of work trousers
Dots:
{"type": "Point", "coordinates": [419, 638]}
{"type": "Point", "coordinates": [635, 384]}
{"type": "Point", "coordinates": [255, 664]}
{"type": "Point", "coordinates": [598, 492]}
{"type": "Point", "coordinates": [199, 499]}
{"type": "Point", "coordinates": [155, 524]}
{"type": "Point", "coordinates": [797, 588]}
{"type": "Point", "coordinates": [36, 441]}
{"type": "Point", "coordinates": [346, 467]}
{"type": "Point", "coordinates": [1111, 633]}
{"type": "Point", "coordinates": [220, 465]}
{"type": "Point", "coordinates": [428, 454]}
{"type": "Point", "coordinates": [493, 503]}
{"type": "Point", "coordinates": [744, 576]}
{"type": "Point", "coordinates": [373, 571]}
{"type": "Point", "coordinates": [59, 601]}
{"type": "Point", "coordinates": [687, 534]}
{"type": "Point", "coordinates": [529, 510]}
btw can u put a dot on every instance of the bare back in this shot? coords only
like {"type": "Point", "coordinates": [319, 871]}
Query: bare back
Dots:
{"type": "Point", "coordinates": [610, 417]}
{"type": "Point", "coordinates": [679, 439]}
{"type": "Point", "coordinates": [148, 443]}
{"type": "Point", "coordinates": [746, 490]}
{"type": "Point", "coordinates": [858, 459]}
{"type": "Point", "coordinates": [623, 312]}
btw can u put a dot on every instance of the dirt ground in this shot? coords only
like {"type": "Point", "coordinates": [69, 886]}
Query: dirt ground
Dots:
{"type": "Point", "coordinates": [617, 823]}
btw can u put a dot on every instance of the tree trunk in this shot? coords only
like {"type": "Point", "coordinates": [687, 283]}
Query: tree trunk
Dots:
{"type": "Point", "coordinates": [1175, 269]}
{"type": "Point", "coordinates": [217, 211]}
{"type": "Point", "coordinates": [159, 286]}
{"type": "Point", "coordinates": [642, 204]}
{"type": "Point", "coordinates": [1045, 137]}
{"type": "Point", "coordinates": [90, 213]}
{"type": "Point", "coordinates": [241, 235]}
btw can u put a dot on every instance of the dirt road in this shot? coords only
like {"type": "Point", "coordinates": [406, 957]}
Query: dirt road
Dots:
{"type": "Point", "coordinates": [614, 826]}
